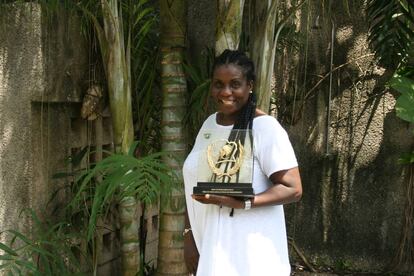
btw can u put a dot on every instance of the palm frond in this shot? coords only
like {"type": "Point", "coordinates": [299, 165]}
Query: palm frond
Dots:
{"type": "Point", "coordinates": [48, 252]}
{"type": "Point", "coordinates": [143, 22]}
{"type": "Point", "coordinates": [198, 81]}
{"type": "Point", "coordinates": [391, 30]}
{"type": "Point", "coordinates": [122, 176]}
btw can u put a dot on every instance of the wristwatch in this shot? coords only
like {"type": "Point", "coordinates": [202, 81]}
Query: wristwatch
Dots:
{"type": "Point", "coordinates": [247, 204]}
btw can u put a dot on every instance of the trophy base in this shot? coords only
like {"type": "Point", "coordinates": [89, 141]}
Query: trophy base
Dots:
{"type": "Point", "coordinates": [244, 190]}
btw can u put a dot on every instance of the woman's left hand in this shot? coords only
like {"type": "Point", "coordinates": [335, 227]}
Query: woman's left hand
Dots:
{"type": "Point", "coordinates": [220, 200]}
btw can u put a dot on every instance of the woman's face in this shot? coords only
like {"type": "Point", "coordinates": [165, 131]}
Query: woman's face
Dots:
{"type": "Point", "coordinates": [230, 89]}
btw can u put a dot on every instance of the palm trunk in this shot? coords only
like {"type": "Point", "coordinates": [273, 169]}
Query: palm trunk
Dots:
{"type": "Point", "coordinates": [171, 243]}
{"type": "Point", "coordinates": [263, 48]}
{"type": "Point", "coordinates": [118, 76]}
{"type": "Point", "coordinates": [117, 68]}
{"type": "Point", "coordinates": [265, 29]}
{"type": "Point", "coordinates": [229, 24]}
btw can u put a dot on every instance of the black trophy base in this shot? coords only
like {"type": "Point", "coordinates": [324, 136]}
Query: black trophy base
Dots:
{"type": "Point", "coordinates": [228, 189]}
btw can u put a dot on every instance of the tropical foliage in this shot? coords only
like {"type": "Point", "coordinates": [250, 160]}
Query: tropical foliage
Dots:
{"type": "Point", "coordinates": [403, 82]}
{"type": "Point", "coordinates": [114, 34]}
{"type": "Point", "coordinates": [404, 106]}
{"type": "Point", "coordinates": [51, 250]}
{"type": "Point", "coordinates": [229, 25]}
{"type": "Point", "coordinates": [198, 97]}
{"type": "Point", "coordinates": [392, 38]}
{"type": "Point", "coordinates": [405, 103]}
{"type": "Point", "coordinates": [119, 24]}
{"type": "Point", "coordinates": [391, 30]}
{"type": "Point", "coordinates": [127, 46]}
{"type": "Point", "coordinates": [143, 178]}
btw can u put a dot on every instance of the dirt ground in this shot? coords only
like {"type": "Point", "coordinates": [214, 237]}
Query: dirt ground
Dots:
{"type": "Point", "coordinates": [298, 270]}
{"type": "Point", "coordinates": [307, 273]}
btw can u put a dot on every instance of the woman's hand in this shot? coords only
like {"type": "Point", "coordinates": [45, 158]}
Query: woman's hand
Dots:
{"type": "Point", "coordinates": [287, 188]}
{"type": "Point", "coordinates": [191, 255]}
{"type": "Point", "coordinates": [220, 200]}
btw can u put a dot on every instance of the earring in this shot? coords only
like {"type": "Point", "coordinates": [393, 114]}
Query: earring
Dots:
{"type": "Point", "coordinates": [251, 92]}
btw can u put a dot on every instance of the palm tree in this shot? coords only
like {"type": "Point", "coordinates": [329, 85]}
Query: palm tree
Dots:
{"type": "Point", "coordinates": [263, 24]}
{"type": "Point", "coordinates": [266, 23]}
{"type": "Point", "coordinates": [228, 25]}
{"type": "Point", "coordinates": [114, 33]}
{"type": "Point", "coordinates": [173, 30]}
{"type": "Point", "coordinates": [116, 60]}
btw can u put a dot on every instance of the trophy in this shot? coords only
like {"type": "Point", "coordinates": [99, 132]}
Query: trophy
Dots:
{"type": "Point", "coordinates": [225, 165]}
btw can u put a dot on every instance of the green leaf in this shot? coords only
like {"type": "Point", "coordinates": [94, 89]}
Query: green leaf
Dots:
{"type": "Point", "coordinates": [20, 236]}
{"type": "Point", "coordinates": [132, 148]}
{"type": "Point", "coordinates": [7, 249]}
{"type": "Point", "coordinates": [28, 265]}
{"type": "Point", "coordinates": [405, 107]}
{"type": "Point", "coordinates": [402, 84]}
{"type": "Point", "coordinates": [45, 264]}
{"type": "Point", "coordinates": [6, 257]}
{"type": "Point", "coordinates": [407, 158]}
{"type": "Point", "coordinates": [42, 252]}
{"type": "Point", "coordinates": [405, 103]}
{"type": "Point", "coordinates": [391, 34]}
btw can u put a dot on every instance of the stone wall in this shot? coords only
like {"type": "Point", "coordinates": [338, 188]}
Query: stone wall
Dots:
{"type": "Point", "coordinates": [44, 72]}
{"type": "Point", "coordinates": [21, 72]}
{"type": "Point", "coordinates": [41, 81]}
{"type": "Point", "coordinates": [352, 209]}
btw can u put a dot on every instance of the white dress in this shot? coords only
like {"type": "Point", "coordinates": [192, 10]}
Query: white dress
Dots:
{"type": "Point", "coordinates": [251, 242]}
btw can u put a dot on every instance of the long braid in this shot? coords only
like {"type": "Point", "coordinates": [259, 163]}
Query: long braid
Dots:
{"type": "Point", "coordinates": [245, 119]}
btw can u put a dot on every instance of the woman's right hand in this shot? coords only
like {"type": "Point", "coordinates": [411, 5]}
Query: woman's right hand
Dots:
{"type": "Point", "coordinates": [191, 255]}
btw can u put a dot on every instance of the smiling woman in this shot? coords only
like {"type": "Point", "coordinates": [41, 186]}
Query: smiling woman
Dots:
{"type": "Point", "coordinates": [230, 235]}
{"type": "Point", "coordinates": [230, 90]}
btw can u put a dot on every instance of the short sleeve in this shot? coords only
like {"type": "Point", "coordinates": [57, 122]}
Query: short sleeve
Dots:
{"type": "Point", "coordinates": [273, 149]}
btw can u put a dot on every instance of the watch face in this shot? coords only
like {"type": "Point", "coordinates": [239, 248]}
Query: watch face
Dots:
{"type": "Point", "coordinates": [247, 204]}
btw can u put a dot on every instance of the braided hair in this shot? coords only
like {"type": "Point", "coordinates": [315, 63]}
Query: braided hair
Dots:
{"type": "Point", "coordinates": [245, 118]}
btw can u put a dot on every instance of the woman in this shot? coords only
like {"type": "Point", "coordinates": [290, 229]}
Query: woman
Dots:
{"type": "Point", "coordinates": [252, 240]}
